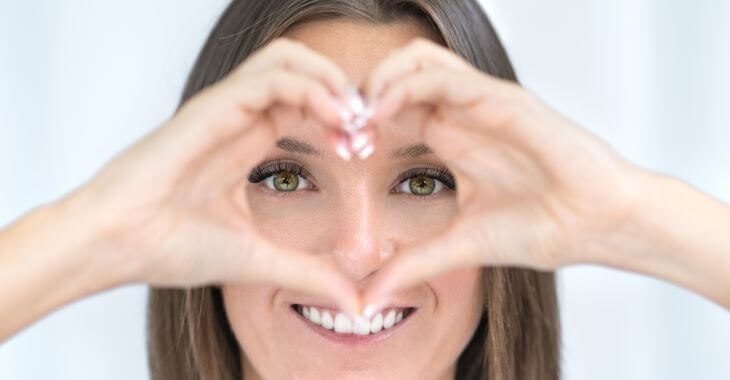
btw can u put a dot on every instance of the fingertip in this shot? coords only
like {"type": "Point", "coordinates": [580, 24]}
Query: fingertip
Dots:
{"type": "Point", "coordinates": [349, 301]}
{"type": "Point", "coordinates": [371, 91]}
{"type": "Point", "coordinates": [388, 104]}
{"type": "Point", "coordinates": [338, 113]}
{"type": "Point", "coordinates": [342, 86]}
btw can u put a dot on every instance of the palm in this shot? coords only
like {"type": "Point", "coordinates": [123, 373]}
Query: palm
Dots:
{"type": "Point", "coordinates": [530, 201]}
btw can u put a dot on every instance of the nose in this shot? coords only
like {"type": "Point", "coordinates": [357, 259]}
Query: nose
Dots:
{"type": "Point", "coordinates": [359, 242]}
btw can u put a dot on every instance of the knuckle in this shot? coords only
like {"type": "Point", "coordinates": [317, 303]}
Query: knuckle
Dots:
{"type": "Point", "coordinates": [286, 45]}
{"type": "Point", "coordinates": [421, 43]}
{"type": "Point", "coordinates": [280, 42]}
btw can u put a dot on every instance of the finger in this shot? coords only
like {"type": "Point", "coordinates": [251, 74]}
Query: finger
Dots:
{"type": "Point", "coordinates": [289, 269]}
{"type": "Point", "coordinates": [288, 88]}
{"type": "Point", "coordinates": [479, 103]}
{"type": "Point", "coordinates": [450, 251]}
{"type": "Point", "coordinates": [421, 54]}
{"type": "Point", "coordinates": [236, 106]}
{"type": "Point", "coordinates": [293, 55]}
{"type": "Point", "coordinates": [437, 86]}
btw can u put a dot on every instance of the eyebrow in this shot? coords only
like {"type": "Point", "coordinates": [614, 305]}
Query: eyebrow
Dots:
{"type": "Point", "coordinates": [411, 151]}
{"type": "Point", "coordinates": [293, 145]}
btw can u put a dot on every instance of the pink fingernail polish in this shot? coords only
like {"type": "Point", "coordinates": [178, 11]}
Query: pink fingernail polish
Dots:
{"type": "Point", "coordinates": [346, 115]}
{"type": "Point", "coordinates": [359, 141]}
{"type": "Point", "coordinates": [358, 319]}
{"type": "Point", "coordinates": [366, 151]}
{"type": "Point", "coordinates": [369, 110]}
{"type": "Point", "coordinates": [370, 310]}
{"type": "Point", "coordinates": [343, 152]}
{"type": "Point", "coordinates": [354, 100]}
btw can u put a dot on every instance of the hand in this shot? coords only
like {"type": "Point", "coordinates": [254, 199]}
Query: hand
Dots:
{"type": "Point", "coordinates": [173, 206]}
{"type": "Point", "coordinates": [533, 188]}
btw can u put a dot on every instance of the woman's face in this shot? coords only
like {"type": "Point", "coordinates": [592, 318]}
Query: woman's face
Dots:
{"type": "Point", "coordinates": [355, 214]}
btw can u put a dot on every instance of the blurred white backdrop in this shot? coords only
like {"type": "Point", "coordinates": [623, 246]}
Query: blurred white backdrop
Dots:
{"type": "Point", "coordinates": [80, 80]}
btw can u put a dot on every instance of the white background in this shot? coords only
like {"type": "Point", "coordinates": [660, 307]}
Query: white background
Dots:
{"type": "Point", "coordinates": [80, 80]}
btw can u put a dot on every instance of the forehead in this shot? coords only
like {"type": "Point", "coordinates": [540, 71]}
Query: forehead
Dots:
{"type": "Point", "coordinates": [357, 46]}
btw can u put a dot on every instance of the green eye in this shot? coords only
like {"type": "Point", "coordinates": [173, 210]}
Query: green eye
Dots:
{"type": "Point", "coordinates": [422, 185]}
{"type": "Point", "coordinates": [286, 181]}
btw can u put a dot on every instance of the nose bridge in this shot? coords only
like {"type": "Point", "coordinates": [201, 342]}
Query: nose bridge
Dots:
{"type": "Point", "coordinates": [360, 245]}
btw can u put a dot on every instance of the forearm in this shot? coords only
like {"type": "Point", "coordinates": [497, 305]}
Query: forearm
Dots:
{"type": "Point", "coordinates": [679, 234]}
{"type": "Point", "coordinates": [46, 261]}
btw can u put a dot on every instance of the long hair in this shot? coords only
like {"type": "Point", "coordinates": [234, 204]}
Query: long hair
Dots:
{"type": "Point", "coordinates": [189, 336]}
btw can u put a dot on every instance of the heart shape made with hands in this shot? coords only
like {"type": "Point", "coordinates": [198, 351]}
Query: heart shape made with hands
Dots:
{"type": "Point", "coordinates": [518, 197]}
{"type": "Point", "coordinates": [354, 139]}
{"type": "Point", "coordinates": [422, 73]}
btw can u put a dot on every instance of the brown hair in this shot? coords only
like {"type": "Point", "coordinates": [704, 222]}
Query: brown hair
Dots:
{"type": "Point", "coordinates": [518, 336]}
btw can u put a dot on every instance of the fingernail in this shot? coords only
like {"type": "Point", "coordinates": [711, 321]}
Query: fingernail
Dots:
{"type": "Point", "coordinates": [359, 319]}
{"type": "Point", "coordinates": [369, 110]}
{"type": "Point", "coordinates": [366, 151]}
{"type": "Point", "coordinates": [370, 310]}
{"type": "Point", "coordinates": [359, 140]}
{"type": "Point", "coordinates": [345, 114]}
{"type": "Point", "coordinates": [343, 151]}
{"type": "Point", "coordinates": [360, 122]}
{"type": "Point", "coordinates": [349, 127]}
{"type": "Point", "coordinates": [354, 100]}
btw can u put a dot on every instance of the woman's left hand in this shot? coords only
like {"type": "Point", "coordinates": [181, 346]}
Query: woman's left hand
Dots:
{"type": "Point", "coordinates": [533, 188]}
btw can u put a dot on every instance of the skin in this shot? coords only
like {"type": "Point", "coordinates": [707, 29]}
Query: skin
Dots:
{"type": "Point", "coordinates": [354, 221]}
{"type": "Point", "coordinates": [173, 209]}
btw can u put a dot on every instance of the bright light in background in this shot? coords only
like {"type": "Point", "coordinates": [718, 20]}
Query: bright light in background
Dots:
{"type": "Point", "coordinates": [80, 80]}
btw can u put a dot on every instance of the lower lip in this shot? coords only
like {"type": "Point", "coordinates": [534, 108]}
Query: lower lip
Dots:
{"type": "Point", "coordinates": [354, 339]}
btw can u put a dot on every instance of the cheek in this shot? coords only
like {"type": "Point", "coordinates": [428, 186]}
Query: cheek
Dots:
{"type": "Point", "coordinates": [414, 221]}
{"type": "Point", "coordinates": [460, 303]}
{"type": "Point", "coordinates": [249, 312]}
{"type": "Point", "coordinates": [290, 222]}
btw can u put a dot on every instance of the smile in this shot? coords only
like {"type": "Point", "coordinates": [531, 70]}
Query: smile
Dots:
{"type": "Point", "coordinates": [341, 324]}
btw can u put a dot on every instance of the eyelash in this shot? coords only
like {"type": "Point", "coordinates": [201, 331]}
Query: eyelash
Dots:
{"type": "Point", "coordinates": [266, 170]}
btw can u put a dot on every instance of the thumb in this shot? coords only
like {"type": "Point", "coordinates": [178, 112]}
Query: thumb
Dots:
{"type": "Point", "coordinates": [451, 250]}
{"type": "Point", "coordinates": [270, 264]}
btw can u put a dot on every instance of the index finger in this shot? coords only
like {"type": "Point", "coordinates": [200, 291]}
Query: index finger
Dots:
{"type": "Point", "coordinates": [420, 54]}
{"type": "Point", "coordinates": [296, 56]}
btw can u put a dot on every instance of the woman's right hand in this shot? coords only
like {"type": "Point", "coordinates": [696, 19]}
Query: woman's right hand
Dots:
{"type": "Point", "coordinates": [173, 205]}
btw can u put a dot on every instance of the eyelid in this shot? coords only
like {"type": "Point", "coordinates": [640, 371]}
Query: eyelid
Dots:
{"type": "Point", "coordinates": [438, 173]}
{"type": "Point", "coordinates": [267, 169]}
{"type": "Point", "coordinates": [270, 168]}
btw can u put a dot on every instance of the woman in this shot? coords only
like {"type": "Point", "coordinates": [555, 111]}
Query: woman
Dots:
{"type": "Point", "coordinates": [264, 247]}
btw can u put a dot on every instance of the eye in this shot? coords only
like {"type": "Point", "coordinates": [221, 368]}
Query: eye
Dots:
{"type": "Point", "coordinates": [281, 176]}
{"type": "Point", "coordinates": [425, 181]}
{"type": "Point", "coordinates": [286, 181]}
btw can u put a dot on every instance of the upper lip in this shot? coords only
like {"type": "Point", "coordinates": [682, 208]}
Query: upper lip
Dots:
{"type": "Point", "coordinates": [331, 306]}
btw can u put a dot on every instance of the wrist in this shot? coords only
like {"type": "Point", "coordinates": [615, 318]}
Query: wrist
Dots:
{"type": "Point", "coordinates": [75, 229]}
{"type": "Point", "coordinates": [47, 259]}
{"type": "Point", "coordinates": [675, 233]}
{"type": "Point", "coordinates": [642, 240]}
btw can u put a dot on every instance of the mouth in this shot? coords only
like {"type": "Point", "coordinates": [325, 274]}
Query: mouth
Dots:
{"type": "Point", "coordinates": [337, 326]}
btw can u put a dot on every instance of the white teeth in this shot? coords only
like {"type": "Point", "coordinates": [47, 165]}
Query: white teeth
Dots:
{"type": "Point", "coordinates": [327, 321]}
{"type": "Point", "coordinates": [377, 323]}
{"type": "Point", "coordinates": [314, 315]}
{"type": "Point", "coordinates": [343, 324]}
{"type": "Point", "coordinates": [361, 328]}
{"type": "Point", "coordinates": [389, 319]}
